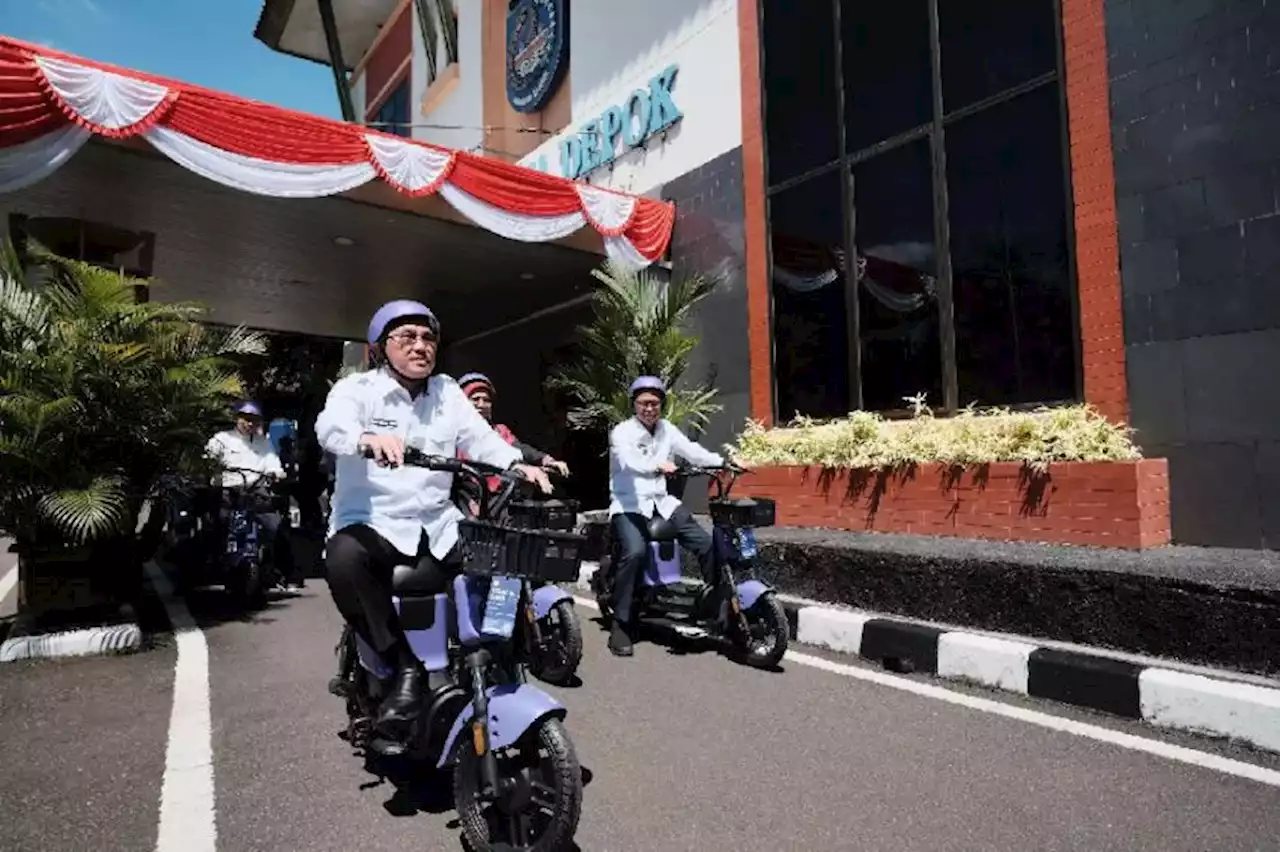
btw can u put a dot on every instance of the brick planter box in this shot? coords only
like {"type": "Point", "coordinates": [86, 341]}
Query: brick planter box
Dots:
{"type": "Point", "coordinates": [1107, 504]}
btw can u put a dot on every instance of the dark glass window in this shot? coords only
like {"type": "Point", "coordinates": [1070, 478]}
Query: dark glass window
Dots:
{"type": "Point", "coordinates": [800, 96]}
{"type": "Point", "coordinates": [811, 350]}
{"type": "Point", "coordinates": [1010, 272]}
{"type": "Point", "coordinates": [951, 191]}
{"type": "Point", "coordinates": [393, 115]}
{"type": "Point", "coordinates": [897, 277]}
{"type": "Point", "coordinates": [989, 46]}
{"type": "Point", "coordinates": [888, 81]}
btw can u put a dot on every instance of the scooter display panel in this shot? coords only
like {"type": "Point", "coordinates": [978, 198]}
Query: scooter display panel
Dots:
{"type": "Point", "coordinates": [501, 607]}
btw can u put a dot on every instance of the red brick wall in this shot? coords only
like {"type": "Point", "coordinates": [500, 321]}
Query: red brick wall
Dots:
{"type": "Point", "coordinates": [1114, 504]}
{"type": "Point", "coordinates": [1093, 184]}
{"type": "Point", "coordinates": [759, 335]}
{"type": "Point", "coordinates": [387, 57]}
{"type": "Point", "coordinates": [1093, 179]}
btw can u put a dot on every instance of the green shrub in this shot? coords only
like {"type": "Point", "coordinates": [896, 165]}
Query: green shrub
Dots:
{"type": "Point", "coordinates": [865, 440]}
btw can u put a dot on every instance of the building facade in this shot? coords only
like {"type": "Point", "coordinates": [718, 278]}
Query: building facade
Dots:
{"type": "Point", "coordinates": [1012, 203]}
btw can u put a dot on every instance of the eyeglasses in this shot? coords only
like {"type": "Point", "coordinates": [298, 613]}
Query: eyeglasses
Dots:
{"type": "Point", "coordinates": [408, 338]}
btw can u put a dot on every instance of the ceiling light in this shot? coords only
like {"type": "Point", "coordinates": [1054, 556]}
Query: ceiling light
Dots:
{"type": "Point", "coordinates": [527, 276]}
{"type": "Point", "coordinates": [343, 241]}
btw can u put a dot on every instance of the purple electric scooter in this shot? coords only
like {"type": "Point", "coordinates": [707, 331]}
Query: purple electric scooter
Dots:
{"type": "Point", "coordinates": [737, 608]}
{"type": "Point", "coordinates": [517, 783]}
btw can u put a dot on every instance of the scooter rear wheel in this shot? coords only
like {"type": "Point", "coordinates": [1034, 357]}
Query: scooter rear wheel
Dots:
{"type": "Point", "coordinates": [543, 814]}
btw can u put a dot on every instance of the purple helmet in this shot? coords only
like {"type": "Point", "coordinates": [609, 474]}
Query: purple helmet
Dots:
{"type": "Point", "coordinates": [392, 313]}
{"type": "Point", "coordinates": [652, 384]}
{"type": "Point", "coordinates": [248, 408]}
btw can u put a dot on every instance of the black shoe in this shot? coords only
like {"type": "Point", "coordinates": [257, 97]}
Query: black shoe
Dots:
{"type": "Point", "coordinates": [401, 707]}
{"type": "Point", "coordinates": [620, 643]}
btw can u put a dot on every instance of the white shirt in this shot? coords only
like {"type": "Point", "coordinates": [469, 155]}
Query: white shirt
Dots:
{"type": "Point", "coordinates": [634, 455]}
{"type": "Point", "coordinates": [235, 450]}
{"type": "Point", "coordinates": [400, 503]}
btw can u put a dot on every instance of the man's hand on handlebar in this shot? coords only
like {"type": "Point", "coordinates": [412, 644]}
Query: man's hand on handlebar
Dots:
{"type": "Point", "coordinates": [385, 450]}
{"type": "Point", "coordinates": [667, 468]}
{"type": "Point", "coordinates": [536, 475]}
{"type": "Point", "coordinates": [558, 466]}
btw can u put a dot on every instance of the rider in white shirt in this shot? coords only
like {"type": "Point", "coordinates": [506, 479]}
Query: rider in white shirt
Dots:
{"type": "Point", "coordinates": [383, 514]}
{"type": "Point", "coordinates": [641, 454]}
{"type": "Point", "coordinates": [245, 447]}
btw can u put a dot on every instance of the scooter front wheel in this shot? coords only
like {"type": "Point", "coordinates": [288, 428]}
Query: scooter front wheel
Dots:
{"type": "Point", "coordinates": [768, 633]}
{"type": "Point", "coordinates": [540, 811]}
{"type": "Point", "coordinates": [557, 662]}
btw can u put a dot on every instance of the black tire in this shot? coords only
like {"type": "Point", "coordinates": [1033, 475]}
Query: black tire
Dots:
{"type": "Point", "coordinates": [770, 633]}
{"type": "Point", "coordinates": [604, 595]}
{"type": "Point", "coordinates": [562, 631]}
{"type": "Point", "coordinates": [556, 768]}
{"type": "Point", "coordinates": [246, 585]}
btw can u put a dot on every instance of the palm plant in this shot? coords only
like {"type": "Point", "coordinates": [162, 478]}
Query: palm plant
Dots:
{"type": "Point", "coordinates": [639, 328]}
{"type": "Point", "coordinates": [103, 400]}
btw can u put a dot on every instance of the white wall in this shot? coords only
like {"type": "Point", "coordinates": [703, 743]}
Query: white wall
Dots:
{"type": "Point", "coordinates": [462, 112]}
{"type": "Point", "coordinates": [616, 46]}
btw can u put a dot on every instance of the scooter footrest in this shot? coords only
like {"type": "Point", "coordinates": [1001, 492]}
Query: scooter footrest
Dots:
{"type": "Point", "coordinates": [387, 748]}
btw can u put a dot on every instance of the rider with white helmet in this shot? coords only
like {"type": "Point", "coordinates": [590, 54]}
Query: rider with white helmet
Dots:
{"type": "Point", "coordinates": [382, 517]}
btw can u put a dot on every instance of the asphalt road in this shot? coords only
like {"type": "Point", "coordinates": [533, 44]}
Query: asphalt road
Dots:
{"type": "Point", "coordinates": [684, 752]}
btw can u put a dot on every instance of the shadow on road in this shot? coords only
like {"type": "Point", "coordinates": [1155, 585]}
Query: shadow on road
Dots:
{"type": "Point", "coordinates": [684, 646]}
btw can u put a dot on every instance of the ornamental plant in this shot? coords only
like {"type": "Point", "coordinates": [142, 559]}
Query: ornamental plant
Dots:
{"type": "Point", "coordinates": [639, 328]}
{"type": "Point", "coordinates": [867, 441]}
{"type": "Point", "coordinates": [105, 403]}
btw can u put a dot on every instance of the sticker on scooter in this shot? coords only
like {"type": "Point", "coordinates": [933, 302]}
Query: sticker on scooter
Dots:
{"type": "Point", "coordinates": [501, 607]}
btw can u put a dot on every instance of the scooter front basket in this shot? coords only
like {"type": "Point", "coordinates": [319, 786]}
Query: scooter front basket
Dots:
{"type": "Point", "coordinates": [540, 556]}
{"type": "Point", "coordinates": [561, 515]}
{"type": "Point", "coordinates": [743, 512]}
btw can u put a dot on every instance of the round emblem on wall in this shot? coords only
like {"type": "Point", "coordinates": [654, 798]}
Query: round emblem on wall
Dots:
{"type": "Point", "coordinates": [537, 51]}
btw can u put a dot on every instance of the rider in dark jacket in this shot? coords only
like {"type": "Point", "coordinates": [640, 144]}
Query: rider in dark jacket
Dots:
{"type": "Point", "coordinates": [479, 389]}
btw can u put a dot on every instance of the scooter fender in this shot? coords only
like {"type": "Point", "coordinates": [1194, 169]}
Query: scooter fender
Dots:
{"type": "Point", "coordinates": [513, 710]}
{"type": "Point", "coordinates": [749, 591]}
{"type": "Point", "coordinates": [546, 597]}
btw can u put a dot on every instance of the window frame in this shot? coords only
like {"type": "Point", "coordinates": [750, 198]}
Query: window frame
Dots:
{"type": "Point", "coordinates": [935, 131]}
{"type": "Point", "coordinates": [394, 127]}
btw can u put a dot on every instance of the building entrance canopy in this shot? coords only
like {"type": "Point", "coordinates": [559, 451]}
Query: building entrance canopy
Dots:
{"type": "Point", "coordinates": [52, 103]}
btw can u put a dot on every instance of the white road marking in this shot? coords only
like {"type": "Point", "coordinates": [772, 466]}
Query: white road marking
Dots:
{"type": "Point", "coordinates": [187, 820]}
{"type": "Point", "coordinates": [1180, 754]}
{"type": "Point", "coordinates": [8, 582]}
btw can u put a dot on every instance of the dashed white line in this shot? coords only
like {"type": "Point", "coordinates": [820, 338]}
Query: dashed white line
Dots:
{"type": "Point", "coordinates": [187, 808]}
{"type": "Point", "coordinates": [1158, 748]}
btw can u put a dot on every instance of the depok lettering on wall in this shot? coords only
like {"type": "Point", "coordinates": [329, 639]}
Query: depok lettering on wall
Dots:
{"type": "Point", "coordinates": [621, 128]}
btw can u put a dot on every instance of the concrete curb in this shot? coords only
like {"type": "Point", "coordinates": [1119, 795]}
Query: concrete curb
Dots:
{"type": "Point", "coordinates": [1164, 697]}
{"type": "Point", "coordinates": [108, 639]}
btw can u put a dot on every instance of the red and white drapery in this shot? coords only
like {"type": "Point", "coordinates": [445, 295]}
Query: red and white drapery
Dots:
{"type": "Point", "coordinates": [51, 104]}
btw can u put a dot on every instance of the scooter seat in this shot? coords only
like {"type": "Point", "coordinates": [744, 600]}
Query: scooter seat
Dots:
{"type": "Point", "coordinates": [660, 529]}
{"type": "Point", "coordinates": [416, 579]}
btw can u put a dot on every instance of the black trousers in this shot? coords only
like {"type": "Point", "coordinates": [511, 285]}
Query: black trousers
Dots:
{"type": "Point", "coordinates": [358, 564]}
{"type": "Point", "coordinates": [631, 550]}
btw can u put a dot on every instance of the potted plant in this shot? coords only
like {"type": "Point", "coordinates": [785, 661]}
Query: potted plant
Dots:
{"type": "Point", "coordinates": [639, 328]}
{"type": "Point", "coordinates": [104, 403]}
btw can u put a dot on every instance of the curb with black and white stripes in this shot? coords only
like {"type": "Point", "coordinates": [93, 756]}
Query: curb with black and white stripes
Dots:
{"type": "Point", "coordinates": [1164, 697]}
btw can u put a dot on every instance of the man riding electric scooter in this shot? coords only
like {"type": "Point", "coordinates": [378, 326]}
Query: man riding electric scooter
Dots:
{"type": "Point", "coordinates": [244, 448]}
{"type": "Point", "coordinates": [380, 517]}
{"type": "Point", "coordinates": [641, 453]}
